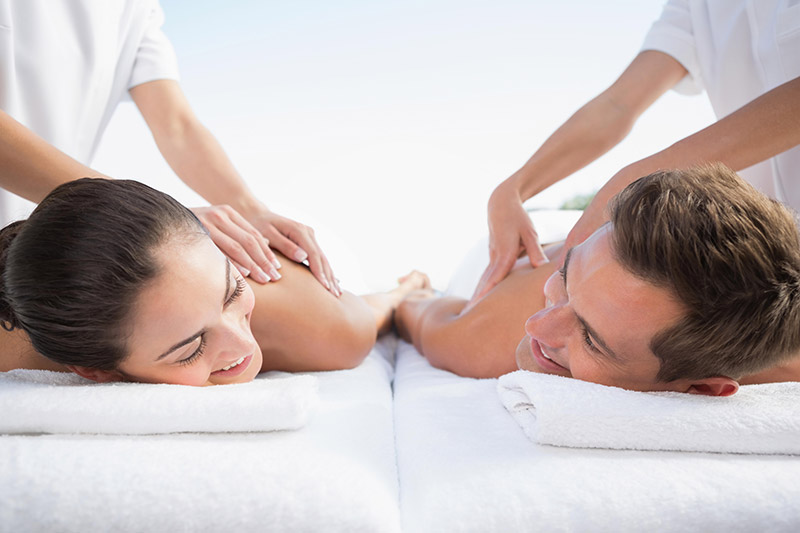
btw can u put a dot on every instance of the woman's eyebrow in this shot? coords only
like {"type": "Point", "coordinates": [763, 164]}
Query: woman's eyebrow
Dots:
{"type": "Point", "coordinates": [199, 333]}
{"type": "Point", "coordinates": [181, 344]}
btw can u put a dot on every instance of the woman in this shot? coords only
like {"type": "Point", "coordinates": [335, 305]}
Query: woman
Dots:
{"type": "Point", "coordinates": [116, 281]}
{"type": "Point", "coordinates": [693, 286]}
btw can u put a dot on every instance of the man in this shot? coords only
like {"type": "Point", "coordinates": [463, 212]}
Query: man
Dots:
{"type": "Point", "coordinates": [64, 67]}
{"type": "Point", "coordinates": [693, 286]}
{"type": "Point", "coordinates": [744, 53]}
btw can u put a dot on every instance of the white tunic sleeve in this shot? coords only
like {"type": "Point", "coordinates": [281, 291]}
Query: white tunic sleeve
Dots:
{"type": "Point", "coordinates": [155, 57]}
{"type": "Point", "coordinates": [673, 34]}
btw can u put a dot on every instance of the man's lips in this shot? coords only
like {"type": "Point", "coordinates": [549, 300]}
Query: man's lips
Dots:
{"type": "Point", "coordinates": [543, 360]}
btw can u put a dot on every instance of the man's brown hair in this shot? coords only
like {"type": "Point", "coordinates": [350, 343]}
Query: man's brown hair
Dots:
{"type": "Point", "coordinates": [731, 257]}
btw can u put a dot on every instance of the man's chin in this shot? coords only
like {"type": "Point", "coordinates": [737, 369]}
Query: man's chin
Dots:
{"type": "Point", "coordinates": [525, 357]}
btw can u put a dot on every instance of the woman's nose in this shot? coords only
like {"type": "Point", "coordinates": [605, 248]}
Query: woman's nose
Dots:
{"type": "Point", "coordinates": [239, 338]}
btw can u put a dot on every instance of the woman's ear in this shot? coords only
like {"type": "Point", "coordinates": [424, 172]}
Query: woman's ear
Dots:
{"type": "Point", "coordinates": [716, 386]}
{"type": "Point", "coordinates": [95, 374]}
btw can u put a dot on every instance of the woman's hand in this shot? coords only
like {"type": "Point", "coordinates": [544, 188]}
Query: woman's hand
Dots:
{"type": "Point", "coordinates": [511, 233]}
{"type": "Point", "coordinates": [296, 241]}
{"type": "Point", "coordinates": [240, 241]}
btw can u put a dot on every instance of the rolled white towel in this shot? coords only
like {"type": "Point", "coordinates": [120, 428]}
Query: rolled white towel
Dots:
{"type": "Point", "coordinates": [762, 419]}
{"type": "Point", "coordinates": [38, 401]}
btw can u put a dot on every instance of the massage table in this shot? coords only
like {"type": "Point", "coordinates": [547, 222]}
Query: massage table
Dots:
{"type": "Point", "coordinates": [391, 447]}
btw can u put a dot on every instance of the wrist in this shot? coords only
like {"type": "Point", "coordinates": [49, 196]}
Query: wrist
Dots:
{"type": "Point", "coordinates": [249, 207]}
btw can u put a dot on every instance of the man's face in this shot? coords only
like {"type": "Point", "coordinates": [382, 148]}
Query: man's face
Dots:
{"type": "Point", "coordinates": [598, 322]}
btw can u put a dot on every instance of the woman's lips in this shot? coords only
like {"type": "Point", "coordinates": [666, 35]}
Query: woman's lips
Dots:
{"type": "Point", "coordinates": [236, 370]}
{"type": "Point", "coordinates": [543, 361]}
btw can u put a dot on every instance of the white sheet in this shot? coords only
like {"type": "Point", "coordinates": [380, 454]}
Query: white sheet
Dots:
{"type": "Point", "coordinates": [336, 474]}
{"type": "Point", "coordinates": [465, 465]}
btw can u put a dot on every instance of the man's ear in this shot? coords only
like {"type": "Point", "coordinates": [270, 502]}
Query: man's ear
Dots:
{"type": "Point", "coordinates": [716, 386]}
{"type": "Point", "coordinates": [95, 374]}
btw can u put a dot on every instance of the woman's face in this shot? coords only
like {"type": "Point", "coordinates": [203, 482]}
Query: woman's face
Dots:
{"type": "Point", "coordinates": [191, 324]}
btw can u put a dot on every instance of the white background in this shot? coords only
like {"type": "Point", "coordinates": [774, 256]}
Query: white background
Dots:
{"type": "Point", "coordinates": [386, 124]}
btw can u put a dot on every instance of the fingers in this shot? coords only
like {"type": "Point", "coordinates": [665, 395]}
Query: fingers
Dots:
{"type": "Point", "coordinates": [298, 242]}
{"type": "Point", "coordinates": [497, 270]}
{"type": "Point", "coordinates": [271, 262]}
{"type": "Point", "coordinates": [241, 242]}
{"type": "Point", "coordinates": [536, 255]}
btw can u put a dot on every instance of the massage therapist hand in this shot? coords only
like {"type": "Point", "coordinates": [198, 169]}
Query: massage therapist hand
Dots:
{"type": "Point", "coordinates": [248, 244]}
{"type": "Point", "coordinates": [511, 233]}
{"type": "Point", "coordinates": [298, 242]}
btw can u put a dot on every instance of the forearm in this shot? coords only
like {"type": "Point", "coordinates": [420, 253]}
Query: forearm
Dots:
{"type": "Point", "coordinates": [32, 167]}
{"type": "Point", "coordinates": [189, 147]}
{"type": "Point", "coordinates": [600, 124]}
{"type": "Point", "coordinates": [200, 161]}
{"type": "Point", "coordinates": [592, 131]}
{"type": "Point", "coordinates": [761, 129]}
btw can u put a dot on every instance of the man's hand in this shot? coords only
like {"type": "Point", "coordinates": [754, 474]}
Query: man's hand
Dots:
{"type": "Point", "coordinates": [240, 241]}
{"type": "Point", "coordinates": [296, 241]}
{"type": "Point", "coordinates": [511, 233]}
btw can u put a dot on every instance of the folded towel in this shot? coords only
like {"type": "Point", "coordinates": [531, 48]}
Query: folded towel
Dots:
{"type": "Point", "coordinates": [38, 401]}
{"type": "Point", "coordinates": [763, 419]}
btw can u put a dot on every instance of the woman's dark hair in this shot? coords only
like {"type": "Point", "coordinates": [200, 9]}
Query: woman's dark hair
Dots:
{"type": "Point", "coordinates": [70, 274]}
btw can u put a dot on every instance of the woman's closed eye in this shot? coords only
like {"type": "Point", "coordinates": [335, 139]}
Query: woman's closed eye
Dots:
{"type": "Point", "coordinates": [237, 292]}
{"type": "Point", "coordinates": [195, 355]}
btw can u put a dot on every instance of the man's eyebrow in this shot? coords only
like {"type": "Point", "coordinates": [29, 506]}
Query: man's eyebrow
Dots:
{"type": "Point", "coordinates": [199, 333]}
{"type": "Point", "coordinates": [599, 340]}
{"type": "Point", "coordinates": [566, 265]}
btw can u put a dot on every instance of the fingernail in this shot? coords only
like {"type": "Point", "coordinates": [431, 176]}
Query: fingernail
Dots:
{"type": "Point", "coordinates": [274, 273]}
{"type": "Point", "coordinates": [260, 276]}
{"type": "Point", "coordinates": [244, 271]}
{"type": "Point", "coordinates": [326, 283]}
{"type": "Point", "coordinates": [300, 255]}
{"type": "Point", "coordinates": [276, 263]}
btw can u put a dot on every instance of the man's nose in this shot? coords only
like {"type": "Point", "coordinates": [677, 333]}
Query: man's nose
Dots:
{"type": "Point", "coordinates": [548, 325]}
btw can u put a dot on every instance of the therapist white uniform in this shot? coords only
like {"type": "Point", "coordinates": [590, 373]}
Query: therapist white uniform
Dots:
{"type": "Point", "coordinates": [66, 64]}
{"type": "Point", "coordinates": [737, 50]}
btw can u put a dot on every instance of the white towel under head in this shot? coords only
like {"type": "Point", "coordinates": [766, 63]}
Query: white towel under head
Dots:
{"type": "Point", "coordinates": [558, 411]}
{"type": "Point", "coordinates": [38, 401]}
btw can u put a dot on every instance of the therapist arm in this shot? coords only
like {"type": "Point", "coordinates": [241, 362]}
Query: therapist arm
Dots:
{"type": "Point", "coordinates": [30, 167]}
{"type": "Point", "coordinates": [592, 131]}
{"type": "Point", "coordinates": [245, 228]}
{"type": "Point", "coordinates": [761, 129]}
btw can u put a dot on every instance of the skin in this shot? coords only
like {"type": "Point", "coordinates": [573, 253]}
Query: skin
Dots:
{"type": "Point", "coordinates": [757, 131]}
{"type": "Point", "coordinates": [295, 325]}
{"type": "Point", "coordinates": [242, 226]}
{"type": "Point", "coordinates": [622, 310]}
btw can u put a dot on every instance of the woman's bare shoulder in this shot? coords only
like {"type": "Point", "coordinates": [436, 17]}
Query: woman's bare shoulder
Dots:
{"type": "Point", "coordinates": [16, 352]}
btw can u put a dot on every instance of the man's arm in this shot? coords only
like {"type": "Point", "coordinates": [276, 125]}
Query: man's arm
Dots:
{"type": "Point", "coordinates": [480, 342]}
{"type": "Point", "coordinates": [29, 166]}
{"type": "Point", "coordinates": [199, 160]}
{"type": "Point", "coordinates": [755, 132]}
{"type": "Point", "coordinates": [592, 131]}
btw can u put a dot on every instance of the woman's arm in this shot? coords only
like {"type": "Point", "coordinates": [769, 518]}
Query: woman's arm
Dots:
{"type": "Point", "coordinates": [199, 160]}
{"type": "Point", "coordinates": [29, 166]}
{"type": "Point", "coordinates": [300, 326]}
